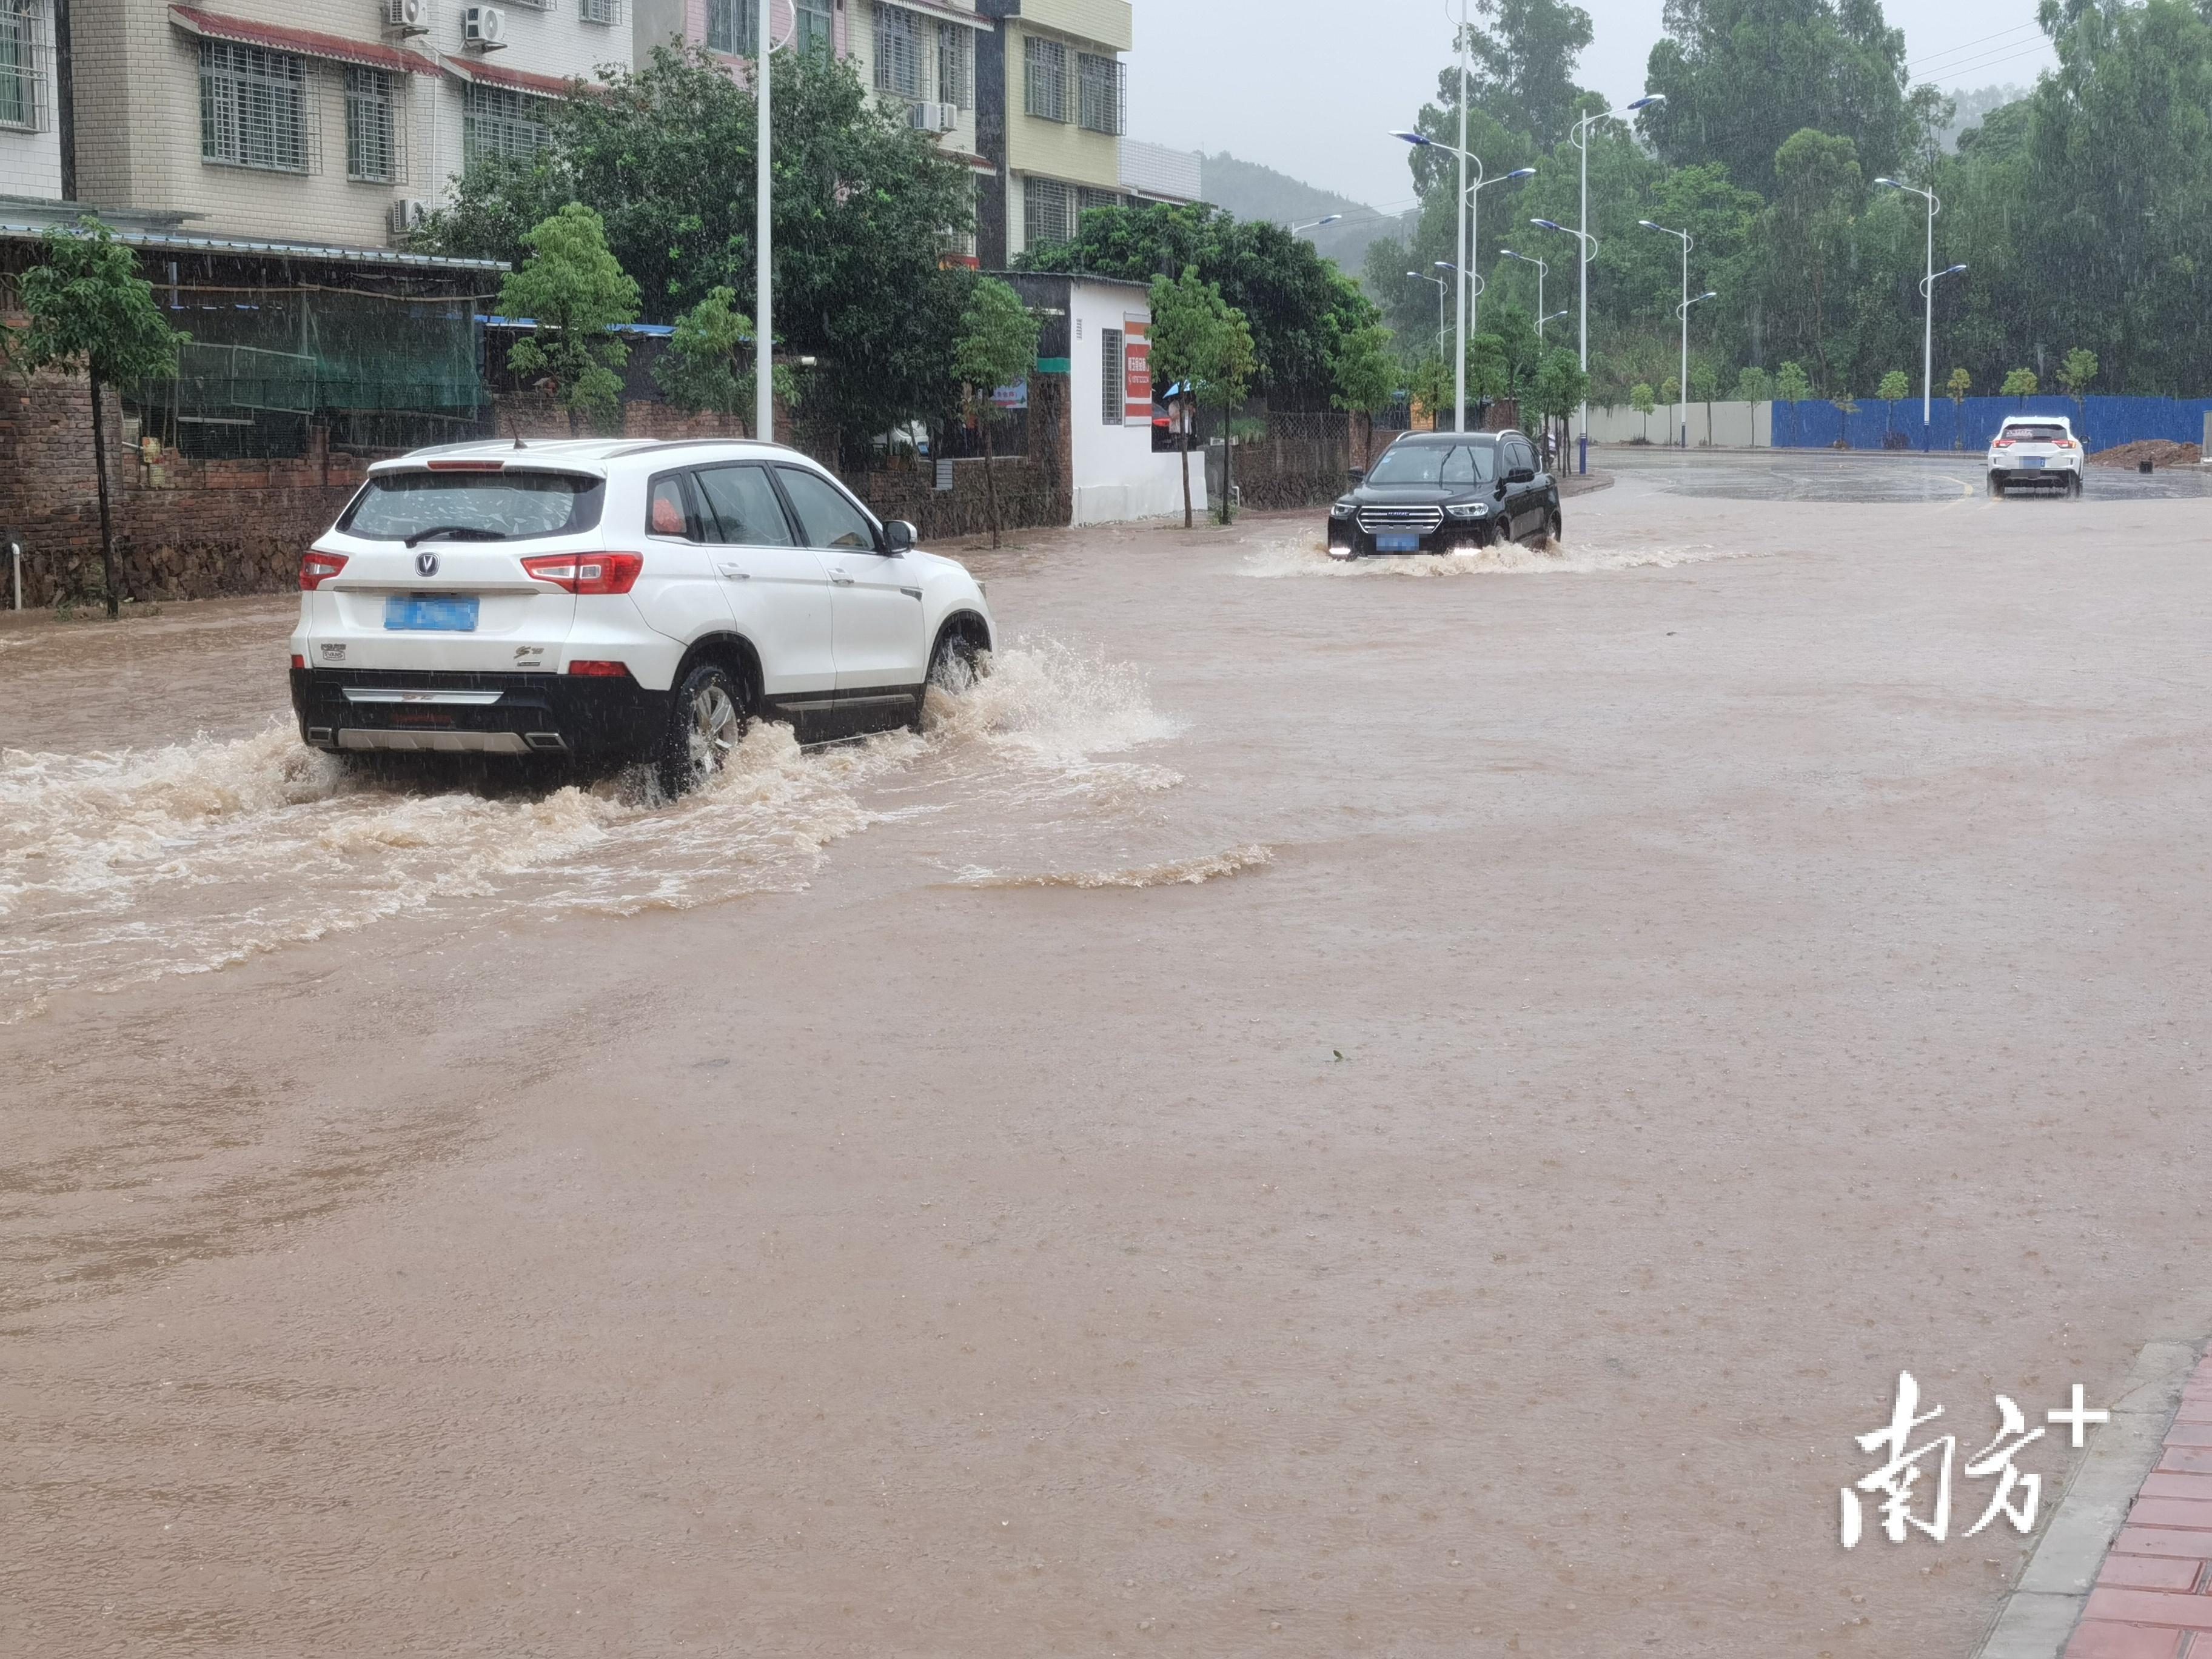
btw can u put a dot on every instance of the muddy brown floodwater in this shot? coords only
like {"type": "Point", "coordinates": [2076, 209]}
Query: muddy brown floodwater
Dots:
{"type": "Point", "coordinates": [1412, 1111]}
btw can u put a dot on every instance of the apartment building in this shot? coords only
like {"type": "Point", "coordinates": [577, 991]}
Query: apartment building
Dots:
{"type": "Point", "coordinates": [338, 123]}
{"type": "Point", "coordinates": [30, 113]}
{"type": "Point", "coordinates": [1053, 107]}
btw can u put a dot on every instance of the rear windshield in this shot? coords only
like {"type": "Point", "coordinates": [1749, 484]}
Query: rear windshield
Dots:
{"type": "Point", "coordinates": [2035, 435]}
{"type": "Point", "coordinates": [1436, 463]}
{"type": "Point", "coordinates": [474, 506]}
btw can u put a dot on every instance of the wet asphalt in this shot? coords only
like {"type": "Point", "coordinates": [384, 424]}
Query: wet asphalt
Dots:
{"type": "Point", "coordinates": [1820, 475]}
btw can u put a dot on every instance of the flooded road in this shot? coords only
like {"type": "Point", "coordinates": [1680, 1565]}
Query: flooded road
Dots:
{"type": "Point", "coordinates": [1411, 1109]}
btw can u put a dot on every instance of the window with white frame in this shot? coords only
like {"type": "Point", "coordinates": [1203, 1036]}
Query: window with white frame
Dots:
{"type": "Point", "coordinates": [1104, 95]}
{"type": "Point", "coordinates": [1044, 78]}
{"type": "Point", "coordinates": [254, 107]}
{"type": "Point", "coordinates": [817, 31]}
{"type": "Point", "coordinates": [23, 76]}
{"type": "Point", "coordinates": [496, 121]}
{"type": "Point", "coordinates": [733, 27]}
{"type": "Point", "coordinates": [956, 65]}
{"type": "Point", "coordinates": [372, 149]}
{"type": "Point", "coordinates": [606, 12]}
{"type": "Point", "coordinates": [1045, 216]}
{"type": "Point", "coordinates": [1115, 370]}
{"type": "Point", "coordinates": [898, 53]}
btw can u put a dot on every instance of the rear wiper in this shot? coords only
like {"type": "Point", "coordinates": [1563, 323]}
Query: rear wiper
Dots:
{"type": "Point", "coordinates": [464, 532]}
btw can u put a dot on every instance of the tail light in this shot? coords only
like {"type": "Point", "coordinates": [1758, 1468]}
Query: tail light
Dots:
{"type": "Point", "coordinates": [2003, 443]}
{"type": "Point", "coordinates": [2062, 443]}
{"type": "Point", "coordinates": [317, 568]}
{"type": "Point", "coordinates": [587, 573]}
{"type": "Point", "coordinates": [600, 671]}
{"type": "Point", "coordinates": [298, 661]}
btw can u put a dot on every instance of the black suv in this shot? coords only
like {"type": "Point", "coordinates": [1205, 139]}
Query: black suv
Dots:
{"type": "Point", "coordinates": [1440, 492]}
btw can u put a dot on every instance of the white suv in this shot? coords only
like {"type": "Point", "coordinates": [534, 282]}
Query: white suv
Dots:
{"type": "Point", "coordinates": [2035, 449]}
{"type": "Point", "coordinates": [612, 600]}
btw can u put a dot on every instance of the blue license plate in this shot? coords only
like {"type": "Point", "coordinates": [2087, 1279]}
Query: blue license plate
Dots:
{"type": "Point", "coordinates": [419, 613]}
{"type": "Point", "coordinates": [2031, 462]}
{"type": "Point", "coordinates": [1397, 543]}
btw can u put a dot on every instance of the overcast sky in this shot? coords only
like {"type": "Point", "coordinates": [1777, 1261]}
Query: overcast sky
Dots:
{"type": "Point", "coordinates": [1312, 86]}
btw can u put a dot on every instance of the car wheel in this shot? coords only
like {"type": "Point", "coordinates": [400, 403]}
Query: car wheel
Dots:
{"type": "Point", "coordinates": [1555, 530]}
{"type": "Point", "coordinates": [706, 720]}
{"type": "Point", "coordinates": [2074, 485]}
{"type": "Point", "coordinates": [1997, 484]}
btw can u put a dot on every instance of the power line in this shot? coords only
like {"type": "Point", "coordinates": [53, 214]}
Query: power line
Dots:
{"type": "Point", "coordinates": [1921, 63]}
{"type": "Point", "coordinates": [1983, 65]}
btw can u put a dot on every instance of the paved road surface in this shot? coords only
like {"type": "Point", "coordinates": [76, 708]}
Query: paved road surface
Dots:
{"type": "Point", "coordinates": [1409, 1111]}
{"type": "Point", "coordinates": [1820, 475]}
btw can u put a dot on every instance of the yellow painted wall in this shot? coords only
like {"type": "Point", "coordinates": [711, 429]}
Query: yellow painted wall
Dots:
{"type": "Point", "coordinates": [1057, 149]}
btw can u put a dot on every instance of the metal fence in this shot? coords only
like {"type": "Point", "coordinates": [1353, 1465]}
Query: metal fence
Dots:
{"type": "Point", "coordinates": [2102, 423]}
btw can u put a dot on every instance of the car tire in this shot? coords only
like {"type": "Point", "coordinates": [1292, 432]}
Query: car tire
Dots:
{"type": "Point", "coordinates": [2074, 485]}
{"type": "Point", "coordinates": [1997, 484]}
{"type": "Point", "coordinates": [707, 718]}
{"type": "Point", "coordinates": [1555, 530]}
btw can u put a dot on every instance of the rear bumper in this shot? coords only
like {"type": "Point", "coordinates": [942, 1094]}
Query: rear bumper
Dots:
{"type": "Point", "coordinates": [373, 709]}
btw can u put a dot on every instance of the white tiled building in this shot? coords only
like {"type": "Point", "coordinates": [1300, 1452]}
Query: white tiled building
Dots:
{"type": "Point", "coordinates": [30, 125]}
{"type": "Point", "coordinates": [322, 121]}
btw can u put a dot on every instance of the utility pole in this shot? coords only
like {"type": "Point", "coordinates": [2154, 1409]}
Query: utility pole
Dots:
{"type": "Point", "coordinates": [763, 278]}
{"type": "Point", "coordinates": [1459, 277]}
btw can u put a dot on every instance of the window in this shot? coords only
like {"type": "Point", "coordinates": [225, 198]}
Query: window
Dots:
{"type": "Point", "coordinates": [372, 126]}
{"type": "Point", "coordinates": [671, 510]}
{"type": "Point", "coordinates": [898, 52]}
{"type": "Point", "coordinates": [733, 27]}
{"type": "Point", "coordinates": [498, 122]}
{"type": "Point", "coordinates": [21, 84]}
{"type": "Point", "coordinates": [816, 32]}
{"type": "Point", "coordinates": [1044, 78]}
{"type": "Point", "coordinates": [1103, 93]}
{"type": "Point", "coordinates": [1429, 463]}
{"type": "Point", "coordinates": [1087, 198]}
{"type": "Point", "coordinates": [744, 507]}
{"type": "Point", "coordinates": [513, 506]}
{"type": "Point", "coordinates": [609, 12]}
{"type": "Point", "coordinates": [1114, 368]}
{"type": "Point", "coordinates": [956, 65]}
{"type": "Point", "coordinates": [1044, 212]}
{"type": "Point", "coordinates": [253, 107]}
{"type": "Point", "coordinates": [826, 514]}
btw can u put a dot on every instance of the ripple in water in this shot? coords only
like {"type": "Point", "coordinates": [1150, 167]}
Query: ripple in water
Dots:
{"type": "Point", "coordinates": [1306, 558]}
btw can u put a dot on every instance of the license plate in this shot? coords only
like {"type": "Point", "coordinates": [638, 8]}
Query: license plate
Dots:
{"type": "Point", "coordinates": [421, 614]}
{"type": "Point", "coordinates": [2031, 462]}
{"type": "Point", "coordinates": [1397, 543]}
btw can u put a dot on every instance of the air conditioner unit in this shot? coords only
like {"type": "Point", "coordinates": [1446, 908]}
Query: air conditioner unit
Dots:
{"type": "Point", "coordinates": [484, 27]}
{"type": "Point", "coordinates": [934, 118]}
{"type": "Point", "coordinates": [407, 17]}
{"type": "Point", "coordinates": [409, 216]}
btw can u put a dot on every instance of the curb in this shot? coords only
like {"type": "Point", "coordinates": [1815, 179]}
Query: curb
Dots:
{"type": "Point", "coordinates": [2038, 1617]}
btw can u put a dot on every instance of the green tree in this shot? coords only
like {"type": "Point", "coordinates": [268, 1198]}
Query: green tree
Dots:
{"type": "Point", "coordinates": [1754, 385]}
{"type": "Point", "coordinates": [1489, 370]}
{"type": "Point", "coordinates": [1893, 385]}
{"type": "Point", "coordinates": [1366, 373]}
{"type": "Point", "coordinates": [1204, 342]}
{"type": "Point", "coordinates": [2021, 383]}
{"type": "Point", "coordinates": [577, 295]}
{"type": "Point", "coordinates": [997, 345]}
{"type": "Point", "coordinates": [1705, 386]}
{"type": "Point", "coordinates": [708, 368]}
{"type": "Point", "coordinates": [1741, 75]}
{"type": "Point", "coordinates": [1560, 386]}
{"type": "Point", "coordinates": [1812, 222]}
{"type": "Point", "coordinates": [1429, 380]}
{"type": "Point", "coordinates": [865, 204]}
{"type": "Point", "coordinates": [1296, 305]}
{"type": "Point", "coordinates": [1522, 55]}
{"type": "Point", "coordinates": [1640, 400]}
{"type": "Point", "coordinates": [1792, 387]}
{"type": "Point", "coordinates": [1959, 386]}
{"type": "Point", "coordinates": [91, 313]}
{"type": "Point", "coordinates": [2076, 375]}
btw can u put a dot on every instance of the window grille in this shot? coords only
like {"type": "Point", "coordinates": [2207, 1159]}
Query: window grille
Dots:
{"type": "Point", "coordinates": [898, 53]}
{"type": "Point", "coordinates": [373, 147]}
{"type": "Point", "coordinates": [1104, 93]}
{"type": "Point", "coordinates": [1087, 198]}
{"type": "Point", "coordinates": [816, 31]}
{"type": "Point", "coordinates": [23, 72]}
{"type": "Point", "coordinates": [1044, 78]}
{"type": "Point", "coordinates": [609, 12]}
{"type": "Point", "coordinates": [1114, 395]}
{"type": "Point", "coordinates": [733, 27]}
{"type": "Point", "coordinates": [498, 122]}
{"type": "Point", "coordinates": [254, 109]}
{"type": "Point", "coordinates": [1044, 212]}
{"type": "Point", "coordinates": [956, 65]}
{"type": "Point", "coordinates": [534, 5]}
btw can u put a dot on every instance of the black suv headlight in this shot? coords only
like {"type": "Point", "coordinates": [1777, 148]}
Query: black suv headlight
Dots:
{"type": "Point", "coordinates": [1479, 510]}
{"type": "Point", "coordinates": [1343, 509]}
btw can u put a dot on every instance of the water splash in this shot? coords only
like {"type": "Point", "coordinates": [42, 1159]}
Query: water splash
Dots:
{"type": "Point", "coordinates": [1191, 872]}
{"type": "Point", "coordinates": [1304, 558]}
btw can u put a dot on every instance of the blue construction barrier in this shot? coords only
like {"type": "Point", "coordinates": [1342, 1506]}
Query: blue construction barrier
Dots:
{"type": "Point", "coordinates": [2102, 423]}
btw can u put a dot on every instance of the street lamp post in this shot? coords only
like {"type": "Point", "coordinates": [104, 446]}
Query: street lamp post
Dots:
{"type": "Point", "coordinates": [1475, 198]}
{"type": "Point", "coordinates": [1441, 285]}
{"type": "Point", "coordinates": [1542, 272]}
{"type": "Point", "coordinates": [1681, 385]}
{"type": "Point", "coordinates": [1332, 218]}
{"type": "Point", "coordinates": [1928, 294]}
{"type": "Point", "coordinates": [1687, 301]}
{"type": "Point", "coordinates": [764, 269]}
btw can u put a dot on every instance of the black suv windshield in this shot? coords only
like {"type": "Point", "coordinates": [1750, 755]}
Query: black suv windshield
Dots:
{"type": "Point", "coordinates": [476, 507]}
{"type": "Point", "coordinates": [1436, 463]}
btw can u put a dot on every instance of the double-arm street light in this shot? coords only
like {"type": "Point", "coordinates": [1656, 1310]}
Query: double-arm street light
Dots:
{"type": "Point", "coordinates": [1468, 201]}
{"type": "Point", "coordinates": [1928, 294]}
{"type": "Point", "coordinates": [1682, 385]}
{"type": "Point", "coordinates": [1542, 272]}
{"type": "Point", "coordinates": [1332, 218]}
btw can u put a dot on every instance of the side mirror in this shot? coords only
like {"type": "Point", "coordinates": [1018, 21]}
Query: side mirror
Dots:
{"type": "Point", "coordinates": [898, 537]}
{"type": "Point", "coordinates": [1357, 475]}
{"type": "Point", "coordinates": [1521, 475]}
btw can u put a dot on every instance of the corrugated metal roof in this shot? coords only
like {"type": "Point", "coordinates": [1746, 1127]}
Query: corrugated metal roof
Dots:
{"type": "Point", "coordinates": [181, 242]}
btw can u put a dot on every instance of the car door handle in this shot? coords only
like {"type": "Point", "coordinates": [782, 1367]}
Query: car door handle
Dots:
{"type": "Point", "coordinates": [840, 579]}
{"type": "Point", "coordinates": [735, 572]}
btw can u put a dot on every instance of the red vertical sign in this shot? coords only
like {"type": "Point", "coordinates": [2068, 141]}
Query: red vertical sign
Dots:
{"type": "Point", "coordinates": [1137, 368]}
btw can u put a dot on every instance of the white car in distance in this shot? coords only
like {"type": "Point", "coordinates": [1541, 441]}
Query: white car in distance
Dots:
{"type": "Point", "coordinates": [611, 600]}
{"type": "Point", "coordinates": [2038, 450]}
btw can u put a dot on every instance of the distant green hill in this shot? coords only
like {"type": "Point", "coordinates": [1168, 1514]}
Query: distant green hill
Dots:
{"type": "Point", "coordinates": [1252, 192]}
